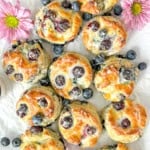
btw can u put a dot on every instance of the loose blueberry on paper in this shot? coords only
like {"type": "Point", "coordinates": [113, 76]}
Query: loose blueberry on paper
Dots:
{"type": "Point", "coordinates": [131, 55]}
{"type": "Point", "coordinates": [5, 141]}
{"type": "Point", "coordinates": [16, 142]}
{"type": "Point", "coordinates": [45, 2]}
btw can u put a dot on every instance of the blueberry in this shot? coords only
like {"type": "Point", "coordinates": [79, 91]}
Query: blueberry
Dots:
{"type": "Point", "coordinates": [118, 105]}
{"type": "Point", "coordinates": [66, 122]}
{"type": "Point", "coordinates": [125, 123]}
{"type": "Point", "coordinates": [10, 69]}
{"type": "Point", "coordinates": [105, 44]}
{"type": "Point", "coordinates": [18, 76]}
{"type": "Point", "coordinates": [45, 81]}
{"type": "Point", "coordinates": [142, 66]}
{"type": "Point", "coordinates": [87, 93]}
{"type": "Point", "coordinates": [33, 54]}
{"type": "Point", "coordinates": [45, 2]}
{"type": "Point", "coordinates": [95, 66]}
{"type": "Point", "coordinates": [66, 4]}
{"type": "Point", "coordinates": [75, 92]}
{"type": "Point", "coordinates": [36, 129]}
{"type": "Point", "coordinates": [37, 119]}
{"type": "Point", "coordinates": [103, 33]}
{"type": "Point", "coordinates": [87, 16]}
{"type": "Point", "coordinates": [5, 141]}
{"type": "Point", "coordinates": [131, 55]}
{"type": "Point", "coordinates": [42, 102]}
{"type": "Point", "coordinates": [90, 130]}
{"type": "Point", "coordinates": [117, 10]}
{"type": "Point", "coordinates": [58, 49]}
{"type": "Point", "coordinates": [16, 142]}
{"type": "Point", "coordinates": [76, 6]}
{"type": "Point", "coordinates": [94, 26]}
{"type": "Point", "coordinates": [99, 59]}
{"type": "Point", "coordinates": [60, 80]}
{"type": "Point", "coordinates": [78, 71]}
{"type": "Point", "coordinates": [22, 110]}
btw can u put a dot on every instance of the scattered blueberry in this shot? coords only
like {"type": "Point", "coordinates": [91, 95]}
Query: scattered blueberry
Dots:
{"type": "Point", "coordinates": [118, 105]}
{"type": "Point", "coordinates": [66, 4]}
{"type": "Point", "coordinates": [87, 93]}
{"type": "Point", "coordinates": [128, 74]}
{"type": "Point", "coordinates": [37, 119]}
{"type": "Point", "coordinates": [131, 55]}
{"type": "Point", "coordinates": [117, 10]}
{"type": "Point", "coordinates": [5, 141]}
{"type": "Point", "coordinates": [87, 16]}
{"type": "Point", "coordinates": [22, 110]}
{"type": "Point", "coordinates": [76, 6]}
{"type": "Point", "coordinates": [34, 54]}
{"type": "Point", "coordinates": [60, 80]}
{"type": "Point", "coordinates": [10, 69]}
{"type": "Point", "coordinates": [78, 71]}
{"type": "Point", "coordinates": [65, 101]}
{"type": "Point", "coordinates": [95, 66]}
{"type": "Point", "coordinates": [58, 49]}
{"type": "Point", "coordinates": [90, 130]}
{"type": "Point", "coordinates": [45, 2]}
{"type": "Point", "coordinates": [42, 102]}
{"type": "Point", "coordinates": [18, 76]}
{"type": "Point", "coordinates": [45, 81]}
{"type": "Point", "coordinates": [142, 66]}
{"type": "Point", "coordinates": [94, 26]}
{"type": "Point", "coordinates": [105, 44]}
{"type": "Point", "coordinates": [75, 92]}
{"type": "Point", "coordinates": [16, 142]}
{"type": "Point", "coordinates": [99, 59]}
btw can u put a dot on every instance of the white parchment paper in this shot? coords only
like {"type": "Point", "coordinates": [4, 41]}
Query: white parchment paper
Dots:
{"type": "Point", "coordinates": [11, 126]}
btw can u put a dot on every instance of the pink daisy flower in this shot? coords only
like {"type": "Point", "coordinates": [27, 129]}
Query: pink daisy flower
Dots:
{"type": "Point", "coordinates": [15, 22]}
{"type": "Point", "coordinates": [136, 13]}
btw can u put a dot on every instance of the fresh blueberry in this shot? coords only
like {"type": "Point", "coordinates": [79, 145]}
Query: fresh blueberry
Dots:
{"type": "Point", "coordinates": [95, 66]}
{"type": "Point", "coordinates": [22, 110]}
{"type": "Point", "coordinates": [87, 93]}
{"type": "Point", "coordinates": [105, 44]}
{"type": "Point", "coordinates": [45, 81]}
{"type": "Point", "coordinates": [16, 142]}
{"type": "Point", "coordinates": [119, 105]}
{"type": "Point", "coordinates": [117, 10]}
{"type": "Point", "coordinates": [5, 141]}
{"type": "Point", "coordinates": [58, 49]}
{"type": "Point", "coordinates": [42, 102]}
{"type": "Point", "coordinates": [76, 6]}
{"type": "Point", "coordinates": [66, 4]}
{"type": "Point", "coordinates": [78, 71]}
{"type": "Point", "coordinates": [103, 33]}
{"type": "Point", "coordinates": [125, 123]}
{"type": "Point", "coordinates": [37, 119]}
{"type": "Point", "coordinates": [87, 16]}
{"type": "Point", "coordinates": [142, 66]}
{"type": "Point", "coordinates": [99, 59]}
{"type": "Point", "coordinates": [66, 122]}
{"type": "Point", "coordinates": [131, 55]}
{"type": "Point", "coordinates": [45, 2]}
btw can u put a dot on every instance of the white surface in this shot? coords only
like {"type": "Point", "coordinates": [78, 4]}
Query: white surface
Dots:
{"type": "Point", "coordinates": [11, 126]}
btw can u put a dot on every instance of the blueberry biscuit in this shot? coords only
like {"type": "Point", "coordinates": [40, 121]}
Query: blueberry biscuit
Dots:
{"type": "Point", "coordinates": [38, 138]}
{"type": "Point", "coordinates": [125, 121]}
{"type": "Point", "coordinates": [26, 62]}
{"type": "Point", "coordinates": [97, 6]}
{"type": "Point", "coordinates": [39, 106]}
{"type": "Point", "coordinates": [79, 124]}
{"type": "Point", "coordinates": [104, 34]}
{"type": "Point", "coordinates": [116, 79]}
{"type": "Point", "coordinates": [119, 146]}
{"type": "Point", "coordinates": [57, 24]}
{"type": "Point", "coordinates": [69, 74]}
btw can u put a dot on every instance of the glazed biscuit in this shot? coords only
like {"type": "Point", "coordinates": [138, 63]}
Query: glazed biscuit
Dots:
{"type": "Point", "coordinates": [38, 138]}
{"type": "Point", "coordinates": [125, 121]}
{"type": "Point", "coordinates": [39, 106]}
{"type": "Point", "coordinates": [70, 74]}
{"type": "Point", "coordinates": [57, 24]}
{"type": "Point", "coordinates": [97, 6]}
{"type": "Point", "coordinates": [116, 79]}
{"type": "Point", "coordinates": [27, 62]}
{"type": "Point", "coordinates": [79, 124]}
{"type": "Point", "coordinates": [104, 34]}
{"type": "Point", "coordinates": [119, 146]}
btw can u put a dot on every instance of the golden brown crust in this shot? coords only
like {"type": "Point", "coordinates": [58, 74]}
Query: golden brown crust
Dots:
{"type": "Point", "coordinates": [132, 111]}
{"type": "Point", "coordinates": [111, 82]}
{"type": "Point", "coordinates": [18, 60]}
{"type": "Point", "coordinates": [116, 35]}
{"type": "Point", "coordinates": [119, 146]}
{"type": "Point", "coordinates": [45, 140]}
{"type": "Point", "coordinates": [46, 27]}
{"type": "Point", "coordinates": [84, 115]}
{"type": "Point", "coordinates": [63, 66]}
{"type": "Point", "coordinates": [97, 6]}
{"type": "Point", "coordinates": [32, 99]}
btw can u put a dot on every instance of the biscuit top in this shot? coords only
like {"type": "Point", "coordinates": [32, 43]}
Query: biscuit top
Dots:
{"type": "Point", "coordinates": [116, 79]}
{"type": "Point", "coordinates": [97, 6]}
{"type": "Point", "coordinates": [57, 24]}
{"type": "Point", "coordinates": [104, 34]}
{"type": "Point", "coordinates": [79, 124]}
{"type": "Point", "coordinates": [28, 62]}
{"type": "Point", "coordinates": [69, 74]}
{"type": "Point", "coordinates": [41, 139]}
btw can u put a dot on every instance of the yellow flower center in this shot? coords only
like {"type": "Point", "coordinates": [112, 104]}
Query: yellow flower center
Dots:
{"type": "Point", "coordinates": [11, 21]}
{"type": "Point", "coordinates": [136, 8]}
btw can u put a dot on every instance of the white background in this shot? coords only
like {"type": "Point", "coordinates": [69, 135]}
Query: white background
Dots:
{"type": "Point", "coordinates": [12, 126]}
